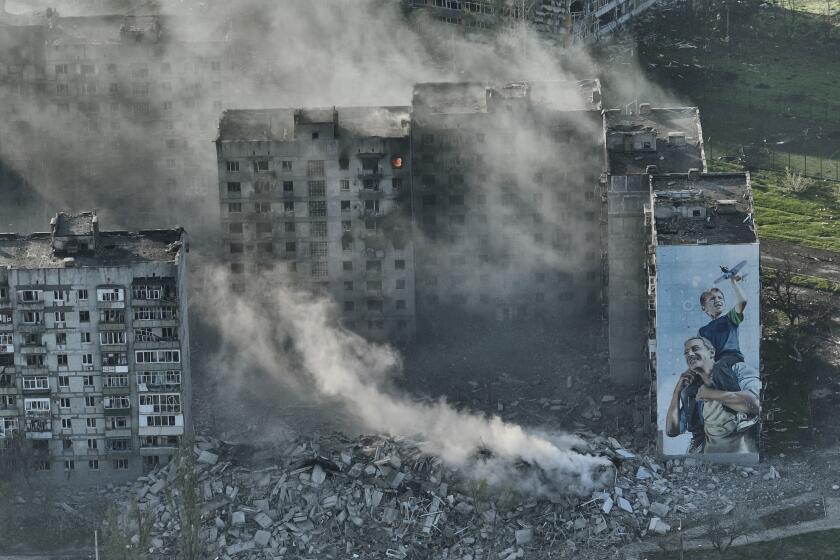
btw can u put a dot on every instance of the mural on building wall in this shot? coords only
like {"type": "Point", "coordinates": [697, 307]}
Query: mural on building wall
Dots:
{"type": "Point", "coordinates": [707, 348]}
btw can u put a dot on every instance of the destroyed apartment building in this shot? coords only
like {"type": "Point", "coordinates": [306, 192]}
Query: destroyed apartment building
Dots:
{"type": "Point", "coordinates": [569, 21]}
{"type": "Point", "coordinates": [319, 197]}
{"type": "Point", "coordinates": [520, 201]}
{"type": "Point", "coordinates": [94, 348]}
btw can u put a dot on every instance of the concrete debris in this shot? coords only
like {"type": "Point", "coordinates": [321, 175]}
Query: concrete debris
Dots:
{"type": "Point", "coordinates": [772, 474]}
{"type": "Point", "coordinates": [207, 458]}
{"type": "Point", "coordinates": [658, 526]}
{"type": "Point", "coordinates": [377, 497]}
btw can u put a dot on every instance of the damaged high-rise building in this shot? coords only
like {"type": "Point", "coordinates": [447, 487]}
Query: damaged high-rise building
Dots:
{"type": "Point", "coordinates": [513, 202]}
{"type": "Point", "coordinates": [320, 198]}
{"type": "Point", "coordinates": [94, 348]}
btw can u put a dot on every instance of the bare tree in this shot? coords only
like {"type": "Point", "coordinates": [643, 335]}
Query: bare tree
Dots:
{"type": "Point", "coordinates": [722, 536]}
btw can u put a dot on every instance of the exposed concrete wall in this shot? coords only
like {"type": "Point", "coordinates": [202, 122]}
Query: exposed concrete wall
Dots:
{"type": "Point", "coordinates": [627, 291]}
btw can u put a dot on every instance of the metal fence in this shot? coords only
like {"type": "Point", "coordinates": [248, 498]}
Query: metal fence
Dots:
{"type": "Point", "coordinates": [763, 157]}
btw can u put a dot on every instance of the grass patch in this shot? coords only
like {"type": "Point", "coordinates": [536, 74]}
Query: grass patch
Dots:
{"type": "Point", "coordinates": [811, 218]}
{"type": "Point", "coordinates": [769, 91]}
{"type": "Point", "coordinates": [822, 545]}
{"type": "Point", "coordinates": [807, 281]}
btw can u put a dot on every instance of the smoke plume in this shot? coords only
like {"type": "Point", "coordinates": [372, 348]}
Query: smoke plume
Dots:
{"type": "Point", "coordinates": [292, 336]}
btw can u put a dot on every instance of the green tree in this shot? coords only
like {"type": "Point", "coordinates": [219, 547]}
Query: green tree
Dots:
{"type": "Point", "coordinates": [186, 500]}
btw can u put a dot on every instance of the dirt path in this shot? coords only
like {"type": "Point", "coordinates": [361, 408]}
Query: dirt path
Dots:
{"type": "Point", "coordinates": [813, 262]}
{"type": "Point", "coordinates": [694, 537]}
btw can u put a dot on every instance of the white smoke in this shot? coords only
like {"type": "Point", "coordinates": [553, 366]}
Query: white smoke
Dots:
{"type": "Point", "coordinates": [295, 337]}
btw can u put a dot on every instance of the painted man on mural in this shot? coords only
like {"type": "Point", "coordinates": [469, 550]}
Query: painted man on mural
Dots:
{"type": "Point", "coordinates": [717, 399]}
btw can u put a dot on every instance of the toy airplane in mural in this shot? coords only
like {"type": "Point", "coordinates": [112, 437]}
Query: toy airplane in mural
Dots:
{"type": "Point", "coordinates": [730, 272]}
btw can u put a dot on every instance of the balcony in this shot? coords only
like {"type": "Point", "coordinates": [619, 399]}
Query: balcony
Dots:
{"type": "Point", "coordinates": [104, 326]}
{"type": "Point", "coordinates": [117, 432]}
{"type": "Point", "coordinates": [116, 390]}
{"type": "Point", "coordinates": [36, 390]}
{"type": "Point", "coordinates": [110, 304]}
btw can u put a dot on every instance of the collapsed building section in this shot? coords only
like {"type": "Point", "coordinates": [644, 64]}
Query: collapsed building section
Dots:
{"type": "Point", "coordinates": [704, 327]}
{"type": "Point", "coordinates": [320, 198]}
{"type": "Point", "coordinates": [94, 348]}
{"type": "Point", "coordinates": [505, 200]}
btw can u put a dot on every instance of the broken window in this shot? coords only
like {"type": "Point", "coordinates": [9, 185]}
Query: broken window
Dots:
{"type": "Point", "coordinates": [235, 207]}
{"type": "Point", "coordinates": [112, 337]}
{"type": "Point", "coordinates": [345, 205]}
{"type": "Point", "coordinates": [318, 249]}
{"type": "Point", "coordinates": [318, 208]}
{"type": "Point", "coordinates": [315, 168]}
{"type": "Point", "coordinates": [235, 227]}
{"type": "Point", "coordinates": [264, 227]}
{"type": "Point", "coordinates": [266, 248]}
{"type": "Point", "coordinates": [348, 285]}
{"type": "Point", "coordinates": [373, 266]}
{"type": "Point", "coordinates": [261, 165]}
{"type": "Point", "coordinates": [34, 360]}
{"type": "Point", "coordinates": [374, 305]}
{"type": "Point", "coordinates": [236, 248]}
{"type": "Point", "coordinates": [289, 208]}
{"type": "Point", "coordinates": [286, 165]}
{"type": "Point", "coordinates": [156, 356]}
{"type": "Point", "coordinates": [400, 284]}
{"type": "Point", "coordinates": [262, 187]}
{"type": "Point", "coordinates": [396, 184]}
{"type": "Point", "coordinates": [317, 188]}
{"type": "Point", "coordinates": [318, 229]}
{"type": "Point", "coordinates": [343, 162]}
{"type": "Point", "coordinates": [262, 207]}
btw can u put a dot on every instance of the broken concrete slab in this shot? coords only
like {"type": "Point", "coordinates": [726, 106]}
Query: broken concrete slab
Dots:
{"type": "Point", "coordinates": [207, 458]}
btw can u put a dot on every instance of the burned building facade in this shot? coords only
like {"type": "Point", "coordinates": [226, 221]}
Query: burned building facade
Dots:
{"type": "Point", "coordinates": [94, 348]}
{"type": "Point", "coordinates": [505, 200]}
{"type": "Point", "coordinates": [319, 199]}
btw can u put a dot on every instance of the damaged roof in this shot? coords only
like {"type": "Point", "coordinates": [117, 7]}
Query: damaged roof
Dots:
{"type": "Point", "coordinates": [115, 248]}
{"type": "Point", "coordinates": [74, 224]}
{"type": "Point", "coordinates": [668, 157]}
{"type": "Point", "coordinates": [280, 124]}
{"type": "Point", "coordinates": [722, 204]}
{"type": "Point", "coordinates": [477, 97]}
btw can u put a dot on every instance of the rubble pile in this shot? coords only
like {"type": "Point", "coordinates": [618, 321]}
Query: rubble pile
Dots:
{"type": "Point", "coordinates": [379, 497]}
